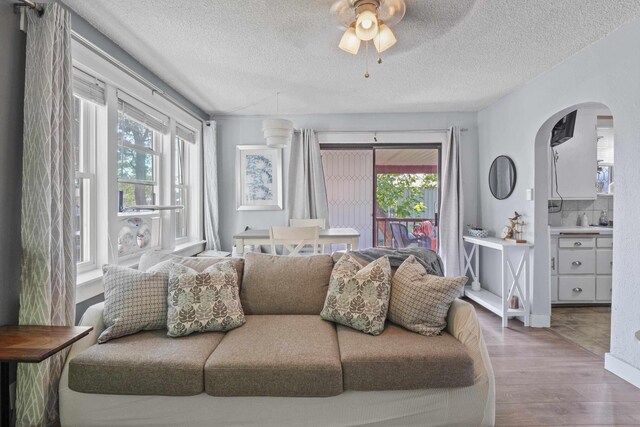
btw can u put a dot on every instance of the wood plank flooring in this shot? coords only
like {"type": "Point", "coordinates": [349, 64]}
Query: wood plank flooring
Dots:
{"type": "Point", "coordinates": [589, 327]}
{"type": "Point", "coordinates": [543, 379]}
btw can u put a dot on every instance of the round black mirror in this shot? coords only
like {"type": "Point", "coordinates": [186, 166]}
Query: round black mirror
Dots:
{"type": "Point", "coordinates": [502, 177]}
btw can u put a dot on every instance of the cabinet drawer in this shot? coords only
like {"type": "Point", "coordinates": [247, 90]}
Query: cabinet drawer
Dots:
{"type": "Point", "coordinates": [604, 261]}
{"type": "Point", "coordinates": [603, 288]}
{"type": "Point", "coordinates": [576, 261]}
{"type": "Point", "coordinates": [581, 288]}
{"type": "Point", "coordinates": [605, 242]}
{"type": "Point", "coordinates": [577, 242]}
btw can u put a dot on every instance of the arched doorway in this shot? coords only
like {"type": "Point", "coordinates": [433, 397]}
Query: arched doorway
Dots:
{"type": "Point", "coordinates": [579, 276]}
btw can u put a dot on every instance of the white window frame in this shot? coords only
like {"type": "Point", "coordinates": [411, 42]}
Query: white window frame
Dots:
{"type": "Point", "coordinates": [107, 217]}
{"type": "Point", "coordinates": [185, 186]}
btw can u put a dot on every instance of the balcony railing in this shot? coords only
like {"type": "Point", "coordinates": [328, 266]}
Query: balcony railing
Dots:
{"type": "Point", "coordinates": [384, 235]}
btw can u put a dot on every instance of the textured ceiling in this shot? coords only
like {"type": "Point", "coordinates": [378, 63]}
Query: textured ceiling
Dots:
{"type": "Point", "coordinates": [232, 56]}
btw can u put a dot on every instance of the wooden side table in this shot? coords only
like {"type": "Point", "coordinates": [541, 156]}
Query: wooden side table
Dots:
{"type": "Point", "coordinates": [31, 344]}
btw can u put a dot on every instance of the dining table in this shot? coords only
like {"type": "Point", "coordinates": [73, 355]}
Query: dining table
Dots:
{"type": "Point", "coordinates": [347, 236]}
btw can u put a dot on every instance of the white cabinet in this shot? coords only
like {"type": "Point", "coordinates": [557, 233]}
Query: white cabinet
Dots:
{"type": "Point", "coordinates": [576, 164]}
{"type": "Point", "coordinates": [580, 269]}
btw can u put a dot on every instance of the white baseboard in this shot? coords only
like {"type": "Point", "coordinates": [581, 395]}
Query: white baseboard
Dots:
{"type": "Point", "coordinates": [627, 372]}
{"type": "Point", "coordinates": [540, 320]}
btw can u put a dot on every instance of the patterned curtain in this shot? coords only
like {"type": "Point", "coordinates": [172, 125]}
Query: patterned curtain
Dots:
{"type": "Point", "coordinates": [452, 210]}
{"type": "Point", "coordinates": [210, 186]}
{"type": "Point", "coordinates": [47, 293]}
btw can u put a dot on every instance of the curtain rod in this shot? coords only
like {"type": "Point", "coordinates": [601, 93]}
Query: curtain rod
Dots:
{"type": "Point", "coordinates": [154, 89]}
{"type": "Point", "coordinates": [385, 131]}
{"type": "Point", "coordinates": [31, 5]}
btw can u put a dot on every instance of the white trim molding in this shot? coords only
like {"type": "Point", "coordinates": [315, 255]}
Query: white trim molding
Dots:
{"type": "Point", "coordinates": [627, 372]}
{"type": "Point", "coordinates": [540, 320]}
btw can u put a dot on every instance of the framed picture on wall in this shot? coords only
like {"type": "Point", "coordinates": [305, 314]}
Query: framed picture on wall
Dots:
{"type": "Point", "coordinates": [258, 178]}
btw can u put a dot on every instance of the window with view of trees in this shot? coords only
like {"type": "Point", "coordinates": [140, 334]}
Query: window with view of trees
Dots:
{"type": "Point", "coordinates": [181, 187]}
{"type": "Point", "coordinates": [137, 162]}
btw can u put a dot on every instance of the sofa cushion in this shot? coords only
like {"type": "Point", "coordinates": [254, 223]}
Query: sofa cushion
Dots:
{"type": "Point", "coordinates": [147, 363]}
{"type": "Point", "coordinates": [276, 355]}
{"type": "Point", "coordinates": [399, 359]}
{"type": "Point", "coordinates": [275, 284]}
{"type": "Point", "coordinates": [420, 301]}
{"type": "Point", "coordinates": [359, 297]}
{"type": "Point", "coordinates": [152, 258]}
{"type": "Point", "coordinates": [133, 301]}
{"type": "Point", "coordinates": [203, 302]}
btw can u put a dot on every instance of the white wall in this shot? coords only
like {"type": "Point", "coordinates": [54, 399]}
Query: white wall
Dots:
{"type": "Point", "coordinates": [607, 72]}
{"type": "Point", "coordinates": [241, 130]}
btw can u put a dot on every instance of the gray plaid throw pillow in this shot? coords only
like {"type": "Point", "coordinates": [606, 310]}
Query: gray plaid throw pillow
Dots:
{"type": "Point", "coordinates": [201, 302]}
{"type": "Point", "coordinates": [358, 297]}
{"type": "Point", "coordinates": [133, 301]}
{"type": "Point", "coordinates": [420, 301]}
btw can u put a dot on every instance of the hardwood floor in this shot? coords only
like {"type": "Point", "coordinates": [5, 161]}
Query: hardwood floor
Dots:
{"type": "Point", "coordinates": [589, 327]}
{"type": "Point", "coordinates": [543, 379]}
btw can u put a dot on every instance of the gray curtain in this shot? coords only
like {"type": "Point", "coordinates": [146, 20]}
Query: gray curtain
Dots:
{"type": "Point", "coordinates": [452, 210]}
{"type": "Point", "coordinates": [209, 142]}
{"type": "Point", "coordinates": [307, 191]}
{"type": "Point", "coordinates": [48, 275]}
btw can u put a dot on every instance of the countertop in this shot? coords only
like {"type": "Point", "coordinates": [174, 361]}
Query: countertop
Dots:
{"type": "Point", "coordinates": [607, 231]}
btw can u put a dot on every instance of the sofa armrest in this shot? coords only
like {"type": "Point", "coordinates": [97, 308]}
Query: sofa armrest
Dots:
{"type": "Point", "coordinates": [91, 317]}
{"type": "Point", "coordinates": [463, 324]}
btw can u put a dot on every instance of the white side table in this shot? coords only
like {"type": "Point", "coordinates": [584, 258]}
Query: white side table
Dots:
{"type": "Point", "coordinates": [515, 281]}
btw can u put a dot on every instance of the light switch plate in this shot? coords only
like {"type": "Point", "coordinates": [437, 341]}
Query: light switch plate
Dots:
{"type": "Point", "coordinates": [529, 193]}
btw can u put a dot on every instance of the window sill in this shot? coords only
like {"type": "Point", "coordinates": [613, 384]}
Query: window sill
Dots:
{"type": "Point", "coordinates": [89, 283]}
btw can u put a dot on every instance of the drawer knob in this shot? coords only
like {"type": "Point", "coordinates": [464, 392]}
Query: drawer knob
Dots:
{"type": "Point", "coordinates": [577, 243]}
{"type": "Point", "coordinates": [576, 263]}
{"type": "Point", "coordinates": [578, 290]}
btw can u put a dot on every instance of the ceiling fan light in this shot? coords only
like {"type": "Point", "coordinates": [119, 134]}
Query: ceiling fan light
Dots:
{"type": "Point", "coordinates": [366, 25]}
{"type": "Point", "coordinates": [385, 38]}
{"type": "Point", "coordinates": [350, 41]}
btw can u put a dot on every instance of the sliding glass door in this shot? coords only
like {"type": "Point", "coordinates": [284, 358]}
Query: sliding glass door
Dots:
{"type": "Point", "coordinates": [390, 194]}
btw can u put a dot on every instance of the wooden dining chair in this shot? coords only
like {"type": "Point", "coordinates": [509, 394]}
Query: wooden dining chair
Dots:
{"type": "Point", "coordinates": [313, 222]}
{"type": "Point", "coordinates": [295, 239]}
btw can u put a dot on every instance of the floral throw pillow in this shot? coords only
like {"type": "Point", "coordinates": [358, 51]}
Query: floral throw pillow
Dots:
{"type": "Point", "coordinates": [358, 296]}
{"type": "Point", "coordinates": [202, 302]}
{"type": "Point", "coordinates": [420, 301]}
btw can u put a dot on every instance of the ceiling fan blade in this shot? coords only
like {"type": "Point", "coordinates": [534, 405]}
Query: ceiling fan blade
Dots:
{"type": "Point", "coordinates": [392, 11]}
{"type": "Point", "coordinates": [343, 12]}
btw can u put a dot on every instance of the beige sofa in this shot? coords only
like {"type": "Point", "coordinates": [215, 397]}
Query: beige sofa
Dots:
{"type": "Point", "coordinates": [284, 367]}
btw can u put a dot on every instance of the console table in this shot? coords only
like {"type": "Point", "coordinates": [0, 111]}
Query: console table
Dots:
{"type": "Point", "coordinates": [31, 344]}
{"type": "Point", "coordinates": [511, 277]}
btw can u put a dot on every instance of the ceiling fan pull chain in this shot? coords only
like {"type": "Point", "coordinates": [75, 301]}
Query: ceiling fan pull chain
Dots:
{"type": "Point", "coordinates": [366, 72]}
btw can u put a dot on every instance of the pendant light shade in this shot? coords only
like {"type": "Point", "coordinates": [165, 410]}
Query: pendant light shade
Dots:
{"type": "Point", "coordinates": [366, 25]}
{"type": "Point", "coordinates": [385, 38]}
{"type": "Point", "coordinates": [277, 132]}
{"type": "Point", "coordinates": [350, 41]}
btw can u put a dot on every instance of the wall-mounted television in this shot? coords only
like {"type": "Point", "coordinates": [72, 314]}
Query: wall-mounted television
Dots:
{"type": "Point", "coordinates": [563, 130]}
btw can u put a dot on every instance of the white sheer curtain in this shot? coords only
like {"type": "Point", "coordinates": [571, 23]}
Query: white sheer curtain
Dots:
{"type": "Point", "coordinates": [48, 277]}
{"type": "Point", "coordinates": [452, 209]}
{"type": "Point", "coordinates": [307, 190]}
{"type": "Point", "coordinates": [209, 142]}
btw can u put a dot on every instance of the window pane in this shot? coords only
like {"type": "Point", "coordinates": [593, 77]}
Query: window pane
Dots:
{"type": "Point", "coordinates": [77, 131]}
{"type": "Point", "coordinates": [179, 156]}
{"type": "Point", "coordinates": [82, 220]}
{"type": "Point", "coordinates": [134, 133]}
{"type": "Point", "coordinates": [181, 216]}
{"type": "Point", "coordinates": [136, 194]}
{"type": "Point", "coordinates": [134, 164]}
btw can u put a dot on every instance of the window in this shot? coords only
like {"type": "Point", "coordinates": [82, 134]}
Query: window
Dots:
{"type": "Point", "coordinates": [84, 128]}
{"type": "Point", "coordinates": [134, 147]}
{"type": "Point", "coordinates": [181, 188]}
{"type": "Point", "coordinates": [138, 160]}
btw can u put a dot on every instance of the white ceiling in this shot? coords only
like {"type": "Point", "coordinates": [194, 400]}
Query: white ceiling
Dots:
{"type": "Point", "coordinates": [232, 56]}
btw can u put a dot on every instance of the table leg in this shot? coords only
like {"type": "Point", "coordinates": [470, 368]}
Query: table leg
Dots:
{"type": "Point", "coordinates": [240, 247]}
{"type": "Point", "coordinates": [505, 291]}
{"type": "Point", "coordinates": [5, 407]}
{"type": "Point", "coordinates": [353, 246]}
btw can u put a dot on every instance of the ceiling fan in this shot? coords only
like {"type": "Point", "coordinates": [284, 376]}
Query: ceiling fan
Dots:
{"type": "Point", "coordinates": [368, 20]}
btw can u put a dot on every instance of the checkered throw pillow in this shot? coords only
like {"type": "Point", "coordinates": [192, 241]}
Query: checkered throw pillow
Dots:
{"type": "Point", "coordinates": [133, 301]}
{"type": "Point", "coordinates": [420, 301]}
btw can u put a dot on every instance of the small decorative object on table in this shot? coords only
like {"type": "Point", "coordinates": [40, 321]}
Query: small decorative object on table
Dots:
{"type": "Point", "coordinates": [477, 231]}
{"type": "Point", "coordinates": [515, 229]}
